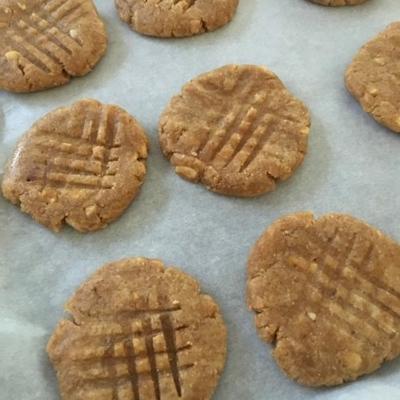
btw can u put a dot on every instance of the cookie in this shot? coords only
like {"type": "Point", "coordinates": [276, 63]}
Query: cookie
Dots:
{"type": "Point", "coordinates": [327, 295]}
{"type": "Point", "coordinates": [237, 130]}
{"type": "Point", "coordinates": [45, 43]}
{"type": "Point", "coordinates": [336, 3]}
{"type": "Point", "coordinates": [176, 18]}
{"type": "Point", "coordinates": [139, 330]}
{"type": "Point", "coordinates": [373, 77]}
{"type": "Point", "coordinates": [82, 165]}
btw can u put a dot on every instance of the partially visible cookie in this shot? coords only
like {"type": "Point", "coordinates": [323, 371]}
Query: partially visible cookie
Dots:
{"type": "Point", "coordinates": [176, 18]}
{"type": "Point", "coordinates": [327, 294]}
{"type": "Point", "coordinates": [373, 77]}
{"type": "Point", "coordinates": [45, 43]}
{"type": "Point", "coordinates": [335, 3]}
{"type": "Point", "coordinates": [237, 130]}
{"type": "Point", "coordinates": [82, 165]}
{"type": "Point", "coordinates": [139, 330]}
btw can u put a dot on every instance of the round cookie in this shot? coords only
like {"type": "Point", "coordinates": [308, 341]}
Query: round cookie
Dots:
{"type": "Point", "coordinates": [327, 295]}
{"type": "Point", "coordinates": [237, 130]}
{"type": "Point", "coordinates": [336, 3]}
{"type": "Point", "coordinates": [45, 43]}
{"type": "Point", "coordinates": [172, 18]}
{"type": "Point", "coordinates": [82, 165]}
{"type": "Point", "coordinates": [139, 330]}
{"type": "Point", "coordinates": [373, 77]}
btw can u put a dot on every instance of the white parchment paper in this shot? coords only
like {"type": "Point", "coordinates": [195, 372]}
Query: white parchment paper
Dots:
{"type": "Point", "coordinates": [352, 167]}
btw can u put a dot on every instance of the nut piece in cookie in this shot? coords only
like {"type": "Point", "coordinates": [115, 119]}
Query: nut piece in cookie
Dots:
{"type": "Point", "coordinates": [176, 18]}
{"type": "Point", "coordinates": [237, 130]}
{"type": "Point", "coordinates": [373, 77]}
{"type": "Point", "coordinates": [45, 43]}
{"type": "Point", "coordinates": [82, 165]}
{"type": "Point", "coordinates": [139, 330]}
{"type": "Point", "coordinates": [326, 293]}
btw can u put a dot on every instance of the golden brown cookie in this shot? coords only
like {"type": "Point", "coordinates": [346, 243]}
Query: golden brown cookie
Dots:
{"type": "Point", "coordinates": [176, 18]}
{"type": "Point", "coordinates": [82, 165]}
{"type": "Point", "coordinates": [43, 43]}
{"type": "Point", "coordinates": [327, 294]}
{"type": "Point", "coordinates": [373, 77]}
{"type": "Point", "coordinates": [336, 3]}
{"type": "Point", "coordinates": [139, 330]}
{"type": "Point", "coordinates": [237, 130]}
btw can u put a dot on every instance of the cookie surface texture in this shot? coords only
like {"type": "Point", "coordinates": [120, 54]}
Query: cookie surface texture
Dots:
{"type": "Point", "coordinates": [237, 130]}
{"type": "Point", "coordinates": [373, 77]}
{"type": "Point", "coordinates": [142, 331]}
{"type": "Point", "coordinates": [337, 3]}
{"type": "Point", "coordinates": [82, 165]}
{"type": "Point", "coordinates": [171, 18]}
{"type": "Point", "coordinates": [44, 44]}
{"type": "Point", "coordinates": [326, 293]}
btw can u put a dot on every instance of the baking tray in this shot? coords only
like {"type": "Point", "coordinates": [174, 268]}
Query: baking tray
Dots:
{"type": "Point", "coordinates": [352, 167]}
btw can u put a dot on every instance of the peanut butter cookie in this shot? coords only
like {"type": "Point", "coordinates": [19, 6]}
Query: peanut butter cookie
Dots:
{"type": "Point", "coordinates": [327, 294]}
{"type": "Point", "coordinates": [82, 165]}
{"type": "Point", "coordinates": [373, 77]}
{"type": "Point", "coordinates": [45, 43]}
{"type": "Point", "coordinates": [139, 330]}
{"type": "Point", "coordinates": [237, 130]}
{"type": "Point", "coordinates": [176, 18]}
{"type": "Point", "coordinates": [336, 3]}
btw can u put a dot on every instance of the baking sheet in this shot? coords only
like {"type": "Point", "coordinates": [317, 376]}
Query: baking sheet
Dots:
{"type": "Point", "coordinates": [352, 167]}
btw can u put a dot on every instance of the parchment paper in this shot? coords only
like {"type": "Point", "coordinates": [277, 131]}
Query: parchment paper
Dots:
{"type": "Point", "coordinates": [352, 167]}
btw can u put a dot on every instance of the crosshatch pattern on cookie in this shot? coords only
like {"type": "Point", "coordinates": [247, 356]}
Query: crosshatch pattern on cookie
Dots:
{"type": "Point", "coordinates": [81, 165]}
{"type": "Point", "coordinates": [234, 122]}
{"type": "Point", "coordinates": [44, 43]}
{"type": "Point", "coordinates": [241, 135]}
{"type": "Point", "coordinates": [44, 35]}
{"type": "Point", "coordinates": [137, 346]}
{"type": "Point", "coordinates": [335, 269]}
{"type": "Point", "coordinates": [340, 316]}
{"type": "Point", "coordinates": [87, 161]}
{"type": "Point", "coordinates": [138, 331]}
